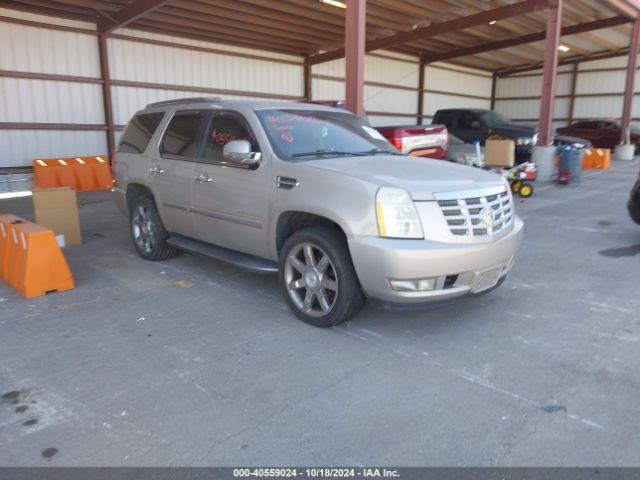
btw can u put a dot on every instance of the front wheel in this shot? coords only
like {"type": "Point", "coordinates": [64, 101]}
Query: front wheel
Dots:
{"type": "Point", "coordinates": [317, 277]}
{"type": "Point", "coordinates": [147, 231]}
{"type": "Point", "coordinates": [526, 190]}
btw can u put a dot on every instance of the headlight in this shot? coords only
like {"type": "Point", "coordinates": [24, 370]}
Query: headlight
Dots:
{"type": "Point", "coordinates": [397, 215]}
{"type": "Point", "coordinates": [534, 139]}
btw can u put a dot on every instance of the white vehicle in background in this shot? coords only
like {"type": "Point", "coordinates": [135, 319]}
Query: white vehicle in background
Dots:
{"type": "Point", "coordinates": [465, 153]}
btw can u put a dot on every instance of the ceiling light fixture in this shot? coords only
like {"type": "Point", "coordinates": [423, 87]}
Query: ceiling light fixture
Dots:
{"type": "Point", "coordinates": [563, 48]}
{"type": "Point", "coordinates": [492, 22]}
{"type": "Point", "coordinates": [334, 3]}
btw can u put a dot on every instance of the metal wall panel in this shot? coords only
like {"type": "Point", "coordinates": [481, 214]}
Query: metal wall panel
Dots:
{"type": "Point", "coordinates": [458, 81]}
{"type": "Point", "coordinates": [20, 147]}
{"type": "Point", "coordinates": [518, 109]}
{"type": "Point", "coordinates": [436, 101]}
{"type": "Point", "coordinates": [31, 49]}
{"type": "Point", "coordinates": [47, 101]}
{"type": "Point", "coordinates": [177, 66]}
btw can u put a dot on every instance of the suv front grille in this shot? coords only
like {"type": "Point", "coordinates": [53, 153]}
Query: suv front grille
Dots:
{"type": "Point", "coordinates": [478, 216]}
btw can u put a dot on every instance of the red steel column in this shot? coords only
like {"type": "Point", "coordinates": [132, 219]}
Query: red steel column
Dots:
{"type": "Point", "coordinates": [106, 94]}
{"type": "Point", "coordinates": [630, 83]}
{"type": "Point", "coordinates": [550, 70]}
{"type": "Point", "coordinates": [355, 24]}
{"type": "Point", "coordinates": [423, 67]}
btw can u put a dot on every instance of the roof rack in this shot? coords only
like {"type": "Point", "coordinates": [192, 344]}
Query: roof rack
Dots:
{"type": "Point", "coordinates": [186, 100]}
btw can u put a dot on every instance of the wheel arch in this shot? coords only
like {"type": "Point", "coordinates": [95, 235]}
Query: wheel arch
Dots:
{"type": "Point", "coordinates": [292, 221]}
{"type": "Point", "coordinates": [134, 190]}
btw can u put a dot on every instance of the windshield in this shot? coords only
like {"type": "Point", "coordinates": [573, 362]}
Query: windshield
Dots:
{"type": "Point", "coordinates": [314, 134]}
{"type": "Point", "coordinates": [494, 119]}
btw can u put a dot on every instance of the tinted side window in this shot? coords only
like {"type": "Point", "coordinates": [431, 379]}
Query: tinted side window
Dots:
{"type": "Point", "coordinates": [466, 120]}
{"type": "Point", "coordinates": [181, 136]}
{"type": "Point", "coordinates": [224, 129]}
{"type": "Point", "coordinates": [138, 133]}
{"type": "Point", "coordinates": [446, 118]}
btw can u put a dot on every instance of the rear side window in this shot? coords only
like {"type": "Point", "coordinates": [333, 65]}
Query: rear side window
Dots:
{"type": "Point", "coordinates": [181, 136]}
{"type": "Point", "coordinates": [446, 118]}
{"type": "Point", "coordinates": [138, 133]}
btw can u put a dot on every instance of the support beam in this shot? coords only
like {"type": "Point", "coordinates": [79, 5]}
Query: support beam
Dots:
{"type": "Point", "coordinates": [494, 84]}
{"type": "Point", "coordinates": [434, 30]}
{"type": "Point", "coordinates": [421, 89]}
{"type": "Point", "coordinates": [128, 14]}
{"type": "Point", "coordinates": [549, 73]}
{"type": "Point", "coordinates": [307, 88]}
{"type": "Point", "coordinates": [632, 66]}
{"type": "Point", "coordinates": [572, 95]}
{"type": "Point", "coordinates": [355, 24]}
{"type": "Point", "coordinates": [525, 39]}
{"type": "Point", "coordinates": [106, 94]}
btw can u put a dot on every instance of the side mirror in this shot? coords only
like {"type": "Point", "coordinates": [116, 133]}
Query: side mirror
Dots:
{"type": "Point", "coordinates": [239, 152]}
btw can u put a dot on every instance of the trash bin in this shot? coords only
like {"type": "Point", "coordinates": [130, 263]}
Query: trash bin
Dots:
{"type": "Point", "coordinates": [570, 164]}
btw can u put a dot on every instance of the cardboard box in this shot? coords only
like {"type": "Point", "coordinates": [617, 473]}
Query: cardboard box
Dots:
{"type": "Point", "coordinates": [499, 153]}
{"type": "Point", "coordinates": [57, 209]}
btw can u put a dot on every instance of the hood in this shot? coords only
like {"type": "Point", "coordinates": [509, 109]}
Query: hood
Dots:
{"type": "Point", "coordinates": [421, 177]}
{"type": "Point", "coordinates": [514, 131]}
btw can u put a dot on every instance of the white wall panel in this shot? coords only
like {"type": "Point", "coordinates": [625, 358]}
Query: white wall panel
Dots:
{"type": "Point", "coordinates": [384, 121]}
{"type": "Point", "coordinates": [457, 82]}
{"type": "Point", "coordinates": [143, 62]}
{"type": "Point", "coordinates": [20, 147]}
{"type": "Point", "coordinates": [601, 82]}
{"type": "Point", "coordinates": [598, 107]}
{"type": "Point", "coordinates": [527, 109]}
{"type": "Point", "coordinates": [31, 49]}
{"type": "Point", "coordinates": [46, 101]}
{"type": "Point", "coordinates": [437, 101]}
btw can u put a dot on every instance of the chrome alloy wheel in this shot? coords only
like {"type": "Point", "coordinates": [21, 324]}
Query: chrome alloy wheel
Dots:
{"type": "Point", "coordinates": [311, 280]}
{"type": "Point", "coordinates": [143, 229]}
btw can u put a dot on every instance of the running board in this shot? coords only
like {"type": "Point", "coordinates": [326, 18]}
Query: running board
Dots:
{"type": "Point", "coordinates": [242, 260]}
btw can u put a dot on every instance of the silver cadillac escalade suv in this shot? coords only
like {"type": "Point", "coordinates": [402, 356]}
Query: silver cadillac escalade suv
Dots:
{"type": "Point", "coordinates": [317, 195]}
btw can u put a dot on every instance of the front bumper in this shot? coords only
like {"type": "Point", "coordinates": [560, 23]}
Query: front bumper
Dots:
{"type": "Point", "coordinates": [378, 260]}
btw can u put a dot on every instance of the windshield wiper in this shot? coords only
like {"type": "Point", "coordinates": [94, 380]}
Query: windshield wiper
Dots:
{"type": "Point", "coordinates": [325, 151]}
{"type": "Point", "coordinates": [375, 151]}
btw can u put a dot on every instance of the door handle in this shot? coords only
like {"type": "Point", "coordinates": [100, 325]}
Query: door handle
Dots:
{"type": "Point", "coordinates": [156, 170]}
{"type": "Point", "coordinates": [202, 178]}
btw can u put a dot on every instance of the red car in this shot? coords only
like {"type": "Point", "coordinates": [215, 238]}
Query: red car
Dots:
{"type": "Point", "coordinates": [430, 141]}
{"type": "Point", "coordinates": [601, 133]}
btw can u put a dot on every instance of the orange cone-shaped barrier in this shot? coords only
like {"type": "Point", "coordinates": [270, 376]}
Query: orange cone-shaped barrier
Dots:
{"type": "Point", "coordinates": [83, 174]}
{"type": "Point", "coordinates": [5, 222]}
{"type": "Point", "coordinates": [32, 261]}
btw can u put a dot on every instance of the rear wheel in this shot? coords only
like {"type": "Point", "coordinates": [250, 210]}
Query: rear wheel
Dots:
{"type": "Point", "coordinates": [317, 277]}
{"type": "Point", "coordinates": [147, 231]}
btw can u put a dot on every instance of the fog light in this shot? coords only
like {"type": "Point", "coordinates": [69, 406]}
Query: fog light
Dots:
{"type": "Point", "coordinates": [421, 285]}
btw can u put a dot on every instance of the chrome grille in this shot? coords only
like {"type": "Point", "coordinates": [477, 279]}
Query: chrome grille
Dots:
{"type": "Point", "coordinates": [478, 216]}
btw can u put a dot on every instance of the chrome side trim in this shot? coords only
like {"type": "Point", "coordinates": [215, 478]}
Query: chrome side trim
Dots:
{"type": "Point", "coordinates": [227, 218]}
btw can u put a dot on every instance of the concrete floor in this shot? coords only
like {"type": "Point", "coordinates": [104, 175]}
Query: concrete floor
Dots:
{"type": "Point", "coordinates": [192, 362]}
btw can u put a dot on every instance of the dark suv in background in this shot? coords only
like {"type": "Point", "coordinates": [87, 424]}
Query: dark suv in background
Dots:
{"type": "Point", "coordinates": [479, 124]}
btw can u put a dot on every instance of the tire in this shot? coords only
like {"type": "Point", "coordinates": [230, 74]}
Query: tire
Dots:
{"type": "Point", "coordinates": [526, 190]}
{"type": "Point", "coordinates": [147, 230]}
{"type": "Point", "coordinates": [634, 203]}
{"type": "Point", "coordinates": [317, 278]}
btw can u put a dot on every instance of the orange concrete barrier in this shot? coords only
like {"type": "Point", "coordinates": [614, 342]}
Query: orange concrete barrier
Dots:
{"type": "Point", "coordinates": [31, 260]}
{"type": "Point", "coordinates": [599, 158]}
{"type": "Point", "coordinates": [83, 174]}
